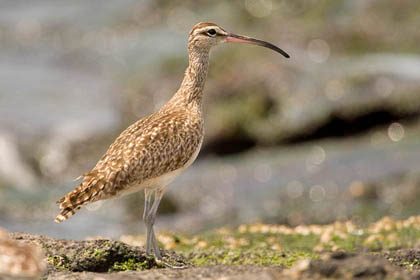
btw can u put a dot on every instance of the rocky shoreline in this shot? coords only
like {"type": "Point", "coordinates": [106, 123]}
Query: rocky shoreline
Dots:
{"type": "Point", "coordinates": [109, 259]}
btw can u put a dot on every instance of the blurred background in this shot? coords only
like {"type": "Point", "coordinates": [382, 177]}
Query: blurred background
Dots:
{"type": "Point", "coordinates": [331, 134]}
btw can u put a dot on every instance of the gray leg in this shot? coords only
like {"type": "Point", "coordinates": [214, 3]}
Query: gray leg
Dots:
{"type": "Point", "coordinates": [158, 197]}
{"type": "Point", "coordinates": [147, 203]}
{"type": "Point", "coordinates": [149, 215]}
{"type": "Point", "coordinates": [150, 220]}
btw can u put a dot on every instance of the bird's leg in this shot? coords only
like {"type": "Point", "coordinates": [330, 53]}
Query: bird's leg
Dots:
{"type": "Point", "coordinates": [150, 220]}
{"type": "Point", "coordinates": [150, 236]}
{"type": "Point", "coordinates": [147, 198]}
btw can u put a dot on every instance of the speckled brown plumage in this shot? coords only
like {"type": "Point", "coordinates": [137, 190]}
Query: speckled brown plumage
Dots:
{"type": "Point", "coordinates": [153, 146]}
{"type": "Point", "coordinates": [158, 144]}
{"type": "Point", "coordinates": [153, 151]}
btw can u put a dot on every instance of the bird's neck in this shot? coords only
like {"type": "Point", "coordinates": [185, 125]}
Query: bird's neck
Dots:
{"type": "Point", "coordinates": [191, 90]}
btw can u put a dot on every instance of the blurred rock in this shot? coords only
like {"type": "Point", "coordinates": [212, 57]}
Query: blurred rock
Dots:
{"type": "Point", "coordinates": [403, 257]}
{"type": "Point", "coordinates": [14, 169]}
{"type": "Point", "coordinates": [18, 259]}
{"type": "Point", "coordinates": [349, 96]}
{"type": "Point", "coordinates": [220, 272]}
{"type": "Point", "coordinates": [341, 265]}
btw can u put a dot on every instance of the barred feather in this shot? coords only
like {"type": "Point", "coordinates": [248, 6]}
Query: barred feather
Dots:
{"type": "Point", "coordinates": [85, 193]}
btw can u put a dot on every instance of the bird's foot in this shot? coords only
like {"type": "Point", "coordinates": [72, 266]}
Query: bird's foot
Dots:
{"type": "Point", "coordinates": [158, 257]}
{"type": "Point", "coordinates": [168, 265]}
{"type": "Point", "coordinates": [159, 261]}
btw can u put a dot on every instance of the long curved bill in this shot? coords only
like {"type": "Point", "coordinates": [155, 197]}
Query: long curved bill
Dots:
{"type": "Point", "coordinates": [233, 38]}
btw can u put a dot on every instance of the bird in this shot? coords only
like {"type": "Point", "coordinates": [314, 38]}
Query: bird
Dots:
{"type": "Point", "coordinates": [150, 153]}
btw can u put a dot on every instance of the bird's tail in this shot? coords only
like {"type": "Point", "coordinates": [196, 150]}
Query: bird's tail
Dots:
{"type": "Point", "coordinates": [85, 193]}
{"type": "Point", "coordinates": [66, 212]}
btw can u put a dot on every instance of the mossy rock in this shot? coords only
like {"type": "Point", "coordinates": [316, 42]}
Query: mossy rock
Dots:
{"type": "Point", "coordinates": [102, 255]}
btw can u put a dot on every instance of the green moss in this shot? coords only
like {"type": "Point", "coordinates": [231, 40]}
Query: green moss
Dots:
{"type": "Point", "coordinates": [61, 262]}
{"type": "Point", "coordinates": [245, 248]}
{"type": "Point", "coordinates": [98, 253]}
{"type": "Point", "coordinates": [248, 240]}
{"type": "Point", "coordinates": [407, 238]}
{"type": "Point", "coordinates": [260, 244]}
{"type": "Point", "coordinates": [349, 244]}
{"type": "Point", "coordinates": [256, 244]}
{"type": "Point", "coordinates": [408, 265]}
{"type": "Point", "coordinates": [130, 264]}
{"type": "Point", "coordinates": [256, 256]}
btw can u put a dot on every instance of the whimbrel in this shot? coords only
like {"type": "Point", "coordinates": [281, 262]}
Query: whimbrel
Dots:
{"type": "Point", "coordinates": [150, 153]}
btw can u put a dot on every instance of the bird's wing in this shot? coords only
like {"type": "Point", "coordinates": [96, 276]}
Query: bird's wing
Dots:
{"type": "Point", "coordinates": [145, 150]}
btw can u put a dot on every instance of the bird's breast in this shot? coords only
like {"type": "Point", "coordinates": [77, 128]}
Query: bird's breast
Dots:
{"type": "Point", "coordinates": [167, 178]}
{"type": "Point", "coordinates": [163, 179]}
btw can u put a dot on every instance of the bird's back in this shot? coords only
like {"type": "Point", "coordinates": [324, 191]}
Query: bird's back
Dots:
{"type": "Point", "coordinates": [159, 144]}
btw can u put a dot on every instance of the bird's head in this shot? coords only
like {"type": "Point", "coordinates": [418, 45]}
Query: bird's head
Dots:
{"type": "Point", "coordinates": [206, 35]}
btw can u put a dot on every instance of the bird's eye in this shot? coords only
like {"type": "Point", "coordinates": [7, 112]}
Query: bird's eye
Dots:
{"type": "Point", "coordinates": [211, 32]}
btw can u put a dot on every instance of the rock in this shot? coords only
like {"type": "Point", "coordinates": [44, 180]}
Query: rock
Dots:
{"type": "Point", "coordinates": [107, 259]}
{"type": "Point", "coordinates": [341, 265]}
{"type": "Point", "coordinates": [220, 272]}
{"type": "Point", "coordinates": [19, 259]}
{"type": "Point", "coordinates": [102, 255]}
{"type": "Point", "coordinates": [406, 258]}
{"type": "Point", "coordinates": [13, 168]}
